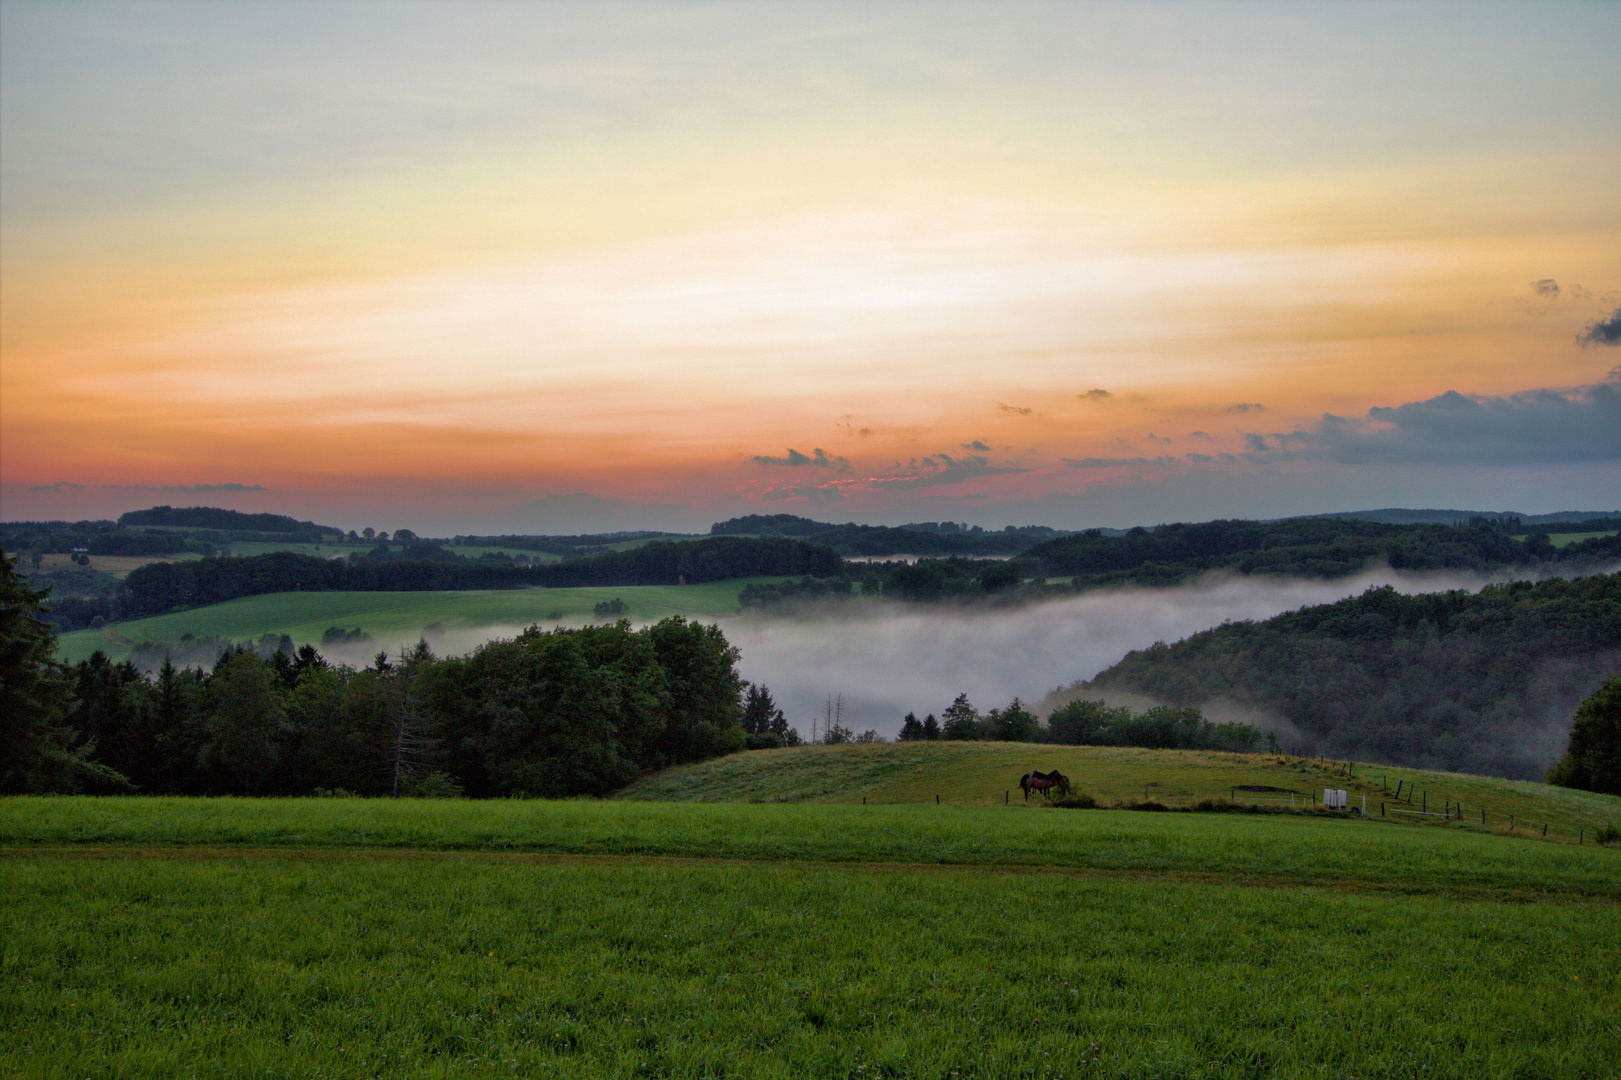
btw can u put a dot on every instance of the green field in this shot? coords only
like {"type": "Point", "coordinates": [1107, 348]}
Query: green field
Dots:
{"type": "Point", "coordinates": [292, 938]}
{"type": "Point", "coordinates": [986, 774]}
{"type": "Point", "coordinates": [393, 617]}
{"type": "Point", "coordinates": [1566, 539]}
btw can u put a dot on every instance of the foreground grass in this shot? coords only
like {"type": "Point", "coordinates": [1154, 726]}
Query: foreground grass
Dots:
{"type": "Point", "coordinates": [466, 966]}
{"type": "Point", "coordinates": [984, 774]}
{"type": "Point", "coordinates": [1277, 849]}
{"type": "Point", "coordinates": [393, 617]}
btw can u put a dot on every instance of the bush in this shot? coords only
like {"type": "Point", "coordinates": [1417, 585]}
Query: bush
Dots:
{"type": "Point", "coordinates": [436, 785]}
{"type": "Point", "coordinates": [609, 609]}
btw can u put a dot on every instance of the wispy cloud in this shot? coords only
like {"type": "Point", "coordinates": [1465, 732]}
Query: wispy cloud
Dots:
{"type": "Point", "coordinates": [1018, 410]}
{"type": "Point", "coordinates": [936, 469]}
{"type": "Point", "coordinates": [165, 489]}
{"type": "Point", "coordinates": [977, 444]}
{"type": "Point", "coordinates": [1246, 406]}
{"type": "Point", "coordinates": [816, 459]}
{"type": "Point", "coordinates": [1096, 395]}
{"type": "Point", "coordinates": [816, 493]}
{"type": "Point", "coordinates": [1110, 462]}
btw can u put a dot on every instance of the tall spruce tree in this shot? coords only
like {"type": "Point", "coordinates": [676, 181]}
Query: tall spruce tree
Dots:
{"type": "Point", "coordinates": [36, 747]}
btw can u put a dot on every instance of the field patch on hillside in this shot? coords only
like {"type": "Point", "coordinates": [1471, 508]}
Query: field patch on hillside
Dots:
{"type": "Point", "coordinates": [452, 621]}
{"type": "Point", "coordinates": [987, 774]}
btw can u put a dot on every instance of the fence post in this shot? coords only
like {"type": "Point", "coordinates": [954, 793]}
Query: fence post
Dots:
{"type": "Point", "coordinates": [1381, 809]}
{"type": "Point", "coordinates": [1483, 815]}
{"type": "Point", "coordinates": [1544, 830]}
{"type": "Point", "coordinates": [1426, 804]}
{"type": "Point", "coordinates": [1581, 836]}
{"type": "Point", "coordinates": [937, 800]}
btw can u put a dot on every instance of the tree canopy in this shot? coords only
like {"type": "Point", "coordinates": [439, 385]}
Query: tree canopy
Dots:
{"type": "Point", "coordinates": [1592, 759]}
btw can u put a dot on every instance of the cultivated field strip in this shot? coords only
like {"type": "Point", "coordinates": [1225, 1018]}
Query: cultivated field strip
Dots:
{"type": "Point", "coordinates": [1283, 849]}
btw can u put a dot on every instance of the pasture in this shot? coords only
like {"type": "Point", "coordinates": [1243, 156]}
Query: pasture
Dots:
{"type": "Point", "coordinates": [395, 617]}
{"type": "Point", "coordinates": [172, 937]}
{"type": "Point", "coordinates": [1560, 540]}
{"type": "Point", "coordinates": [117, 566]}
{"type": "Point", "coordinates": [985, 773]}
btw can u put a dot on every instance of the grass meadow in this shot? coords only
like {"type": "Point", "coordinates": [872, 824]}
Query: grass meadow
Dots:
{"type": "Point", "coordinates": [360, 938]}
{"type": "Point", "coordinates": [986, 774]}
{"type": "Point", "coordinates": [395, 617]}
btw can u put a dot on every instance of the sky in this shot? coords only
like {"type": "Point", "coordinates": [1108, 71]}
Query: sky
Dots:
{"type": "Point", "coordinates": [585, 267]}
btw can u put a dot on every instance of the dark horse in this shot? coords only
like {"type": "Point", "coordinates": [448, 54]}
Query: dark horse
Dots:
{"type": "Point", "coordinates": [1046, 783]}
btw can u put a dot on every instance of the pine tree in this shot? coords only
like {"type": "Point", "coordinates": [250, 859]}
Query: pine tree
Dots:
{"type": "Point", "coordinates": [36, 747]}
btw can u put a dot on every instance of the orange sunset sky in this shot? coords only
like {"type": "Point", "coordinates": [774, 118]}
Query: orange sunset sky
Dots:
{"type": "Point", "coordinates": [578, 267]}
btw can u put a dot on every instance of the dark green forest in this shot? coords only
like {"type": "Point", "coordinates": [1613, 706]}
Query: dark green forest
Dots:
{"type": "Point", "coordinates": [547, 714]}
{"type": "Point", "coordinates": [1480, 682]}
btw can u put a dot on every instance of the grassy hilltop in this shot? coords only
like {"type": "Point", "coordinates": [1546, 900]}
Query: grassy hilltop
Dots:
{"type": "Point", "coordinates": [987, 773]}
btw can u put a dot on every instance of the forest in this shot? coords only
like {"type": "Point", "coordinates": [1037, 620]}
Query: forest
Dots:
{"type": "Point", "coordinates": [1482, 682]}
{"type": "Point", "coordinates": [546, 714]}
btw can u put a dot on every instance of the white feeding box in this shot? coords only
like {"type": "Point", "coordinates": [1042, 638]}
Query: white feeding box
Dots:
{"type": "Point", "coordinates": [1334, 799]}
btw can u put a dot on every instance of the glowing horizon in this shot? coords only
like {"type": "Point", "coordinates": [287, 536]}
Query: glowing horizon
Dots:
{"type": "Point", "coordinates": [1093, 264]}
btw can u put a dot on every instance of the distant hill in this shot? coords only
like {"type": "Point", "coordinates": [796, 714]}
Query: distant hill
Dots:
{"type": "Point", "coordinates": [873, 541]}
{"type": "Point", "coordinates": [1325, 547]}
{"type": "Point", "coordinates": [1481, 682]}
{"type": "Point", "coordinates": [209, 517]}
{"type": "Point", "coordinates": [1538, 522]}
{"type": "Point", "coordinates": [168, 586]}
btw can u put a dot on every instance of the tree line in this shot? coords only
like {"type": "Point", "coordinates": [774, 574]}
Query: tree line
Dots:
{"type": "Point", "coordinates": [921, 538]}
{"type": "Point", "coordinates": [1083, 723]}
{"type": "Point", "coordinates": [547, 713]}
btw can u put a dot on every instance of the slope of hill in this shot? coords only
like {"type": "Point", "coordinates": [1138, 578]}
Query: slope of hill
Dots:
{"type": "Point", "coordinates": [450, 620]}
{"type": "Point", "coordinates": [164, 587]}
{"type": "Point", "coordinates": [209, 517]}
{"type": "Point", "coordinates": [985, 774]}
{"type": "Point", "coordinates": [1482, 682]}
{"type": "Point", "coordinates": [1303, 547]}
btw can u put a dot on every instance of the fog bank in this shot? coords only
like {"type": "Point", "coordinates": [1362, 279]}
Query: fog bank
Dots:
{"type": "Point", "coordinates": [889, 660]}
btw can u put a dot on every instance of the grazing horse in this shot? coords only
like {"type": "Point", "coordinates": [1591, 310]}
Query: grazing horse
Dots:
{"type": "Point", "coordinates": [1045, 783]}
